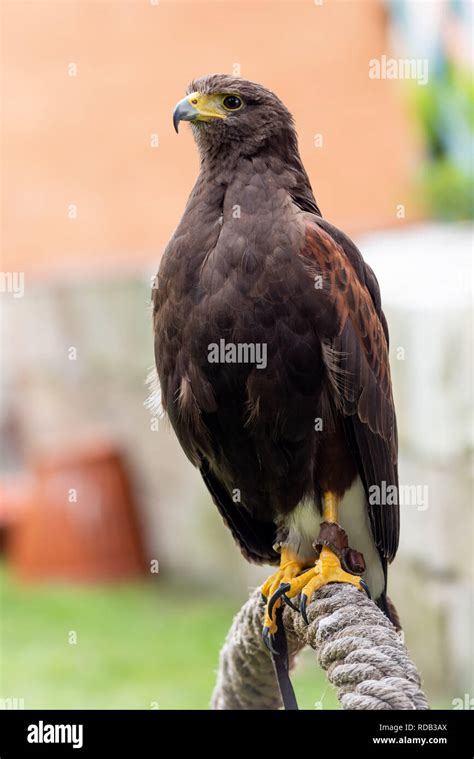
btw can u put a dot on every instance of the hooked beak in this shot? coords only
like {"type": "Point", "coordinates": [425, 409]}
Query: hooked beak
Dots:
{"type": "Point", "coordinates": [184, 111]}
{"type": "Point", "coordinates": [197, 107]}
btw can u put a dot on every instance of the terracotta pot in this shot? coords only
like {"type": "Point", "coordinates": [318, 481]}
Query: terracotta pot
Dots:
{"type": "Point", "coordinates": [15, 493]}
{"type": "Point", "coordinates": [81, 521]}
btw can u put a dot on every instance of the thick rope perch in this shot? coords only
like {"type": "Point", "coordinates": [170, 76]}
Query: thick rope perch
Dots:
{"type": "Point", "coordinates": [356, 645]}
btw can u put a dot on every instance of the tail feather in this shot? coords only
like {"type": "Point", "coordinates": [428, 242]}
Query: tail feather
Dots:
{"type": "Point", "coordinates": [388, 607]}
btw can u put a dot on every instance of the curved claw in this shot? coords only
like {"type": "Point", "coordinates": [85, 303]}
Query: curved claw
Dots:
{"type": "Point", "coordinates": [303, 603]}
{"type": "Point", "coordinates": [365, 586]}
{"type": "Point", "coordinates": [263, 598]}
{"type": "Point", "coordinates": [284, 587]}
{"type": "Point", "coordinates": [290, 603]}
{"type": "Point", "coordinates": [268, 640]}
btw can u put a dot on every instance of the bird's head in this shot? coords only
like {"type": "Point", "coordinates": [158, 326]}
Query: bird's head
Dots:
{"type": "Point", "coordinates": [228, 113]}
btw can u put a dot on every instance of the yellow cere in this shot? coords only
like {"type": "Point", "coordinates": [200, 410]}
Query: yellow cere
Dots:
{"type": "Point", "coordinates": [207, 106]}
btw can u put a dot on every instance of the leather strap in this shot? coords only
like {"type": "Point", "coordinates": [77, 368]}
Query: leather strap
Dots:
{"type": "Point", "coordinates": [334, 537]}
{"type": "Point", "coordinates": [281, 664]}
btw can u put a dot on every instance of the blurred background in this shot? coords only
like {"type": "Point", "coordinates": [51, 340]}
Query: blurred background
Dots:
{"type": "Point", "coordinates": [119, 581]}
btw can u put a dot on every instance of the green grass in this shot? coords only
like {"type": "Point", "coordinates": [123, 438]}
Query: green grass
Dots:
{"type": "Point", "coordinates": [139, 646]}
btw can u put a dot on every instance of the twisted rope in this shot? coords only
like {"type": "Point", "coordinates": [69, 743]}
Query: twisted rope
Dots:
{"type": "Point", "coordinates": [356, 645]}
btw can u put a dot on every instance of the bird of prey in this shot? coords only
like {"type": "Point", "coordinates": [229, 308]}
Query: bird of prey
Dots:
{"type": "Point", "coordinates": [271, 349]}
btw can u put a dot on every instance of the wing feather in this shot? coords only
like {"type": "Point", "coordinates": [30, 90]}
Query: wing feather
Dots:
{"type": "Point", "coordinates": [353, 328]}
{"type": "Point", "coordinates": [254, 537]}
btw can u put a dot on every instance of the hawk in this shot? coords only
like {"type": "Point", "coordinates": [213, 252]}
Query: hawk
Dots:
{"type": "Point", "coordinates": [271, 349]}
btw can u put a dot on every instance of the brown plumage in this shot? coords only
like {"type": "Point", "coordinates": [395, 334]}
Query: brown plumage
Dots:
{"type": "Point", "coordinates": [251, 262]}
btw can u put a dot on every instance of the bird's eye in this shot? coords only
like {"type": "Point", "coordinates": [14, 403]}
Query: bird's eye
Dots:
{"type": "Point", "coordinates": [232, 103]}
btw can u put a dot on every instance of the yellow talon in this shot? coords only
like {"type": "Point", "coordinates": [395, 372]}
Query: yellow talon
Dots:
{"type": "Point", "coordinates": [290, 567]}
{"type": "Point", "coordinates": [298, 577]}
{"type": "Point", "coordinates": [327, 569]}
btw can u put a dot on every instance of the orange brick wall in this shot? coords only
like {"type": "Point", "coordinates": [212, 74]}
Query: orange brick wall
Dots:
{"type": "Point", "coordinates": [85, 140]}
